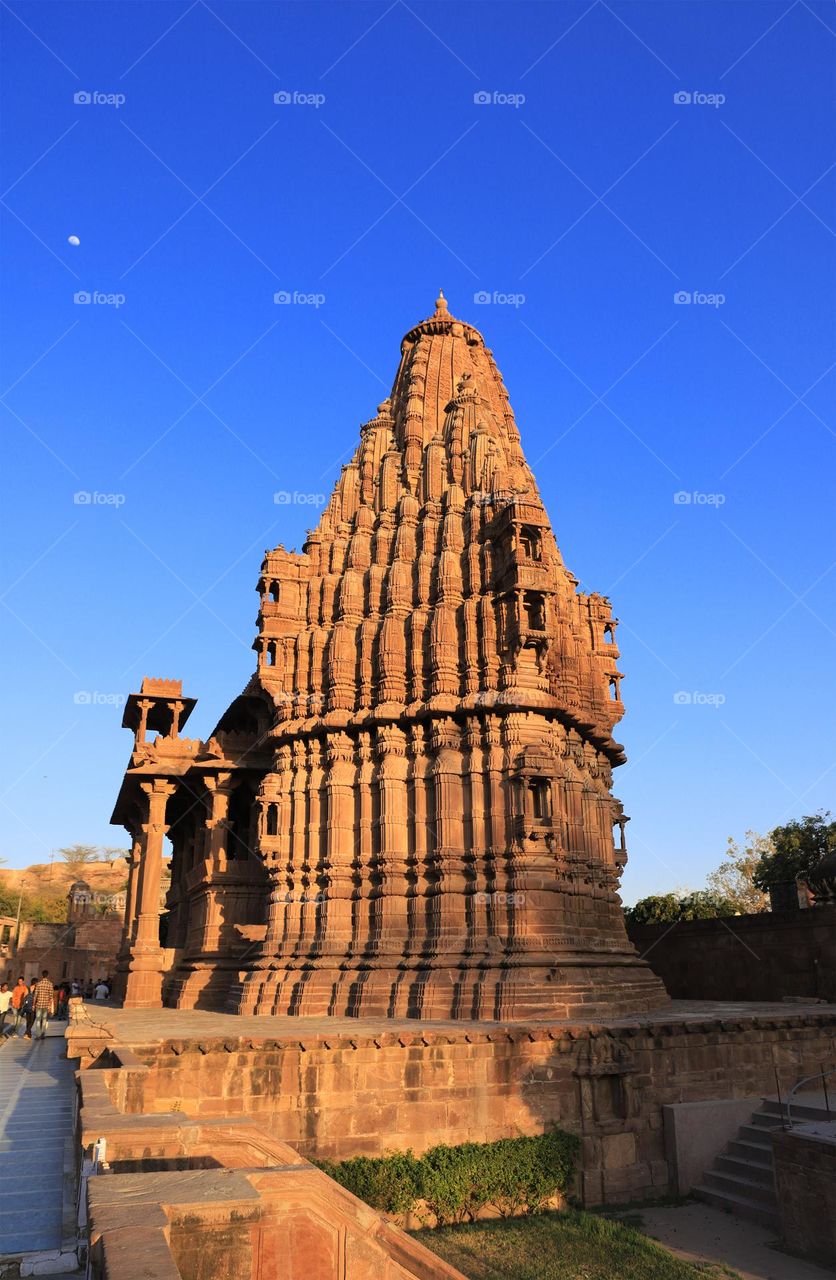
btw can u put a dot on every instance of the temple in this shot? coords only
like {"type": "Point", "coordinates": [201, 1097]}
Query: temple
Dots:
{"type": "Point", "coordinates": [408, 811]}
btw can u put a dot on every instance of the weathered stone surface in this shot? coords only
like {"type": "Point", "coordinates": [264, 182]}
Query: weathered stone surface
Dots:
{"type": "Point", "coordinates": [408, 812]}
{"type": "Point", "coordinates": [359, 1089]}
{"type": "Point", "coordinates": [804, 1159]}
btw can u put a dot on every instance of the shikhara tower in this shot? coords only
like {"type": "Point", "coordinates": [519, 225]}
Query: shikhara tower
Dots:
{"type": "Point", "coordinates": [408, 811]}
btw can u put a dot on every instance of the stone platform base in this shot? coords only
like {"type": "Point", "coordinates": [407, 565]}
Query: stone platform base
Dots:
{"type": "Point", "coordinates": [334, 1087]}
{"type": "Point", "coordinates": [577, 988]}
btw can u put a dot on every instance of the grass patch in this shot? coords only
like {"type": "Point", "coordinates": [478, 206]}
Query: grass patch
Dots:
{"type": "Point", "coordinates": [570, 1245]}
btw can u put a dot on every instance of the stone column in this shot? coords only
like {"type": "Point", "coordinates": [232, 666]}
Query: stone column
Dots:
{"type": "Point", "coordinates": [145, 970]}
{"type": "Point", "coordinates": [132, 860]}
{"type": "Point", "coordinates": [448, 794]}
{"type": "Point", "coordinates": [392, 925]}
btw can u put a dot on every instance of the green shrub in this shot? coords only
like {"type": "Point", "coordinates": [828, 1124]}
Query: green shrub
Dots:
{"type": "Point", "coordinates": [391, 1183]}
{"type": "Point", "coordinates": [513, 1175]}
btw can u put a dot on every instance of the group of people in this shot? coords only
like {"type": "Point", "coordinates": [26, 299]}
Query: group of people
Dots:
{"type": "Point", "coordinates": [31, 1005]}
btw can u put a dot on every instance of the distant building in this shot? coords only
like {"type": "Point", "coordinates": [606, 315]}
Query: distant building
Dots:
{"type": "Point", "coordinates": [84, 948]}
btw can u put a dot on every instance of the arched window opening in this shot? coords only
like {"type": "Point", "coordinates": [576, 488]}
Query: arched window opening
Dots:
{"type": "Point", "coordinates": [609, 634]}
{"type": "Point", "coordinates": [275, 591]}
{"type": "Point", "coordinates": [540, 798]}
{"type": "Point", "coordinates": [272, 819]}
{"type": "Point", "coordinates": [531, 543]}
{"type": "Point", "coordinates": [271, 654]}
{"type": "Point", "coordinates": [614, 693]}
{"type": "Point", "coordinates": [535, 610]}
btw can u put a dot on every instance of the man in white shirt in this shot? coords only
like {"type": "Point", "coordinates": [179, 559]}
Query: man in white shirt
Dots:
{"type": "Point", "coordinates": [101, 992]}
{"type": "Point", "coordinates": [5, 1004]}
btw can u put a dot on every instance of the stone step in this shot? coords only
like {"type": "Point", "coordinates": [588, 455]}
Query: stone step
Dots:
{"type": "Point", "coordinates": [735, 1185]}
{"type": "Point", "coordinates": [798, 1110]}
{"type": "Point", "coordinates": [753, 1152]}
{"type": "Point", "coordinates": [756, 1170]}
{"type": "Point", "coordinates": [767, 1120]}
{"type": "Point", "coordinates": [741, 1206]}
{"type": "Point", "coordinates": [756, 1134]}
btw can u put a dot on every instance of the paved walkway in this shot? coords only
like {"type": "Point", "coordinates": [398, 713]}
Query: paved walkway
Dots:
{"type": "Point", "coordinates": [36, 1120]}
{"type": "Point", "coordinates": [701, 1233]}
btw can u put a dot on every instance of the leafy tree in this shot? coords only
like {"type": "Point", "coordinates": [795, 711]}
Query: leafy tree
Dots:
{"type": "Point", "coordinates": [659, 908]}
{"type": "Point", "coordinates": [670, 908]}
{"type": "Point", "coordinates": [109, 853]}
{"type": "Point", "coordinates": [734, 878]}
{"type": "Point", "coordinates": [797, 847]}
{"type": "Point", "coordinates": [77, 856]}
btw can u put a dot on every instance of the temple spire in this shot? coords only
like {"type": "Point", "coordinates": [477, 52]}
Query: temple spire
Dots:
{"type": "Point", "coordinates": [441, 308]}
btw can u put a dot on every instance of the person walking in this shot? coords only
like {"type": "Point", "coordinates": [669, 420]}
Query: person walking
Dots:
{"type": "Point", "coordinates": [43, 1004]}
{"type": "Point", "coordinates": [27, 1008]}
{"type": "Point", "coordinates": [18, 995]}
{"type": "Point", "coordinates": [5, 1004]}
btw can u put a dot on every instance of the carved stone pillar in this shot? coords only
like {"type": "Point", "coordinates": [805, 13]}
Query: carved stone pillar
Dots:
{"type": "Point", "coordinates": [449, 833]}
{"type": "Point", "coordinates": [339, 844]}
{"type": "Point", "coordinates": [390, 917]}
{"type": "Point", "coordinates": [129, 928]}
{"type": "Point", "coordinates": [143, 989]}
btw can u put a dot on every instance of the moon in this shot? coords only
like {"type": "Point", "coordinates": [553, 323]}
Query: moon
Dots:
{"type": "Point", "coordinates": [73, 240]}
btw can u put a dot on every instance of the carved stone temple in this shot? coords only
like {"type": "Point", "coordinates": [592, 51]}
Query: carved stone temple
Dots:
{"type": "Point", "coordinates": [408, 811]}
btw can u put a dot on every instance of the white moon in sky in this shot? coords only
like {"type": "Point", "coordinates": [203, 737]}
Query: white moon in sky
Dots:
{"type": "Point", "coordinates": [74, 240]}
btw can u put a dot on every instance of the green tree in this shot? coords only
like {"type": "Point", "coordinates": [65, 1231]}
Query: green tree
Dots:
{"type": "Point", "coordinates": [670, 908]}
{"type": "Point", "coordinates": [734, 878]}
{"type": "Point", "coordinates": [78, 856]}
{"type": "Point", "coordinates": [797, 848]}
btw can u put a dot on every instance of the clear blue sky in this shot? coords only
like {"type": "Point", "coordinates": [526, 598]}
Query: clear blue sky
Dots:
{"type": "Point", "coordinates": [598, 198]}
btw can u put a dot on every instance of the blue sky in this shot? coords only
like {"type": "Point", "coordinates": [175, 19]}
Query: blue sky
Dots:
{"type": "Point", "coordinates": [582, 188]}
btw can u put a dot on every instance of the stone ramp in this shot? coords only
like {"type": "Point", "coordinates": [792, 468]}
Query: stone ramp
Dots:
{"type": "Point", "coordinates": [36, 1129]}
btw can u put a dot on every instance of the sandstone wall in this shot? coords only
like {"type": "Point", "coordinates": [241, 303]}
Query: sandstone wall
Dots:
{"type": "Point", "coordinates": [756, 957]}
{"type": "Point", "coordinates": [345, 1095]}
{"type": "Point", "coordinates": [805, 1182]}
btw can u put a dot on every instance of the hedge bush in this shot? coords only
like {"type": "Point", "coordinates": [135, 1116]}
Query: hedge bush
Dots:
{"type": "Point", "coordinates": [512, 1176]}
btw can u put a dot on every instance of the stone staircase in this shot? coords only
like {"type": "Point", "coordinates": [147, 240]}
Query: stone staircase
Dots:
{"type": "Point", "coordinates": [741, 1180]}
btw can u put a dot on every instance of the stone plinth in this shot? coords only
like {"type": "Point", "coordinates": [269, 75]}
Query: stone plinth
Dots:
{"type": "Point", "coordinates": [334, 1088]}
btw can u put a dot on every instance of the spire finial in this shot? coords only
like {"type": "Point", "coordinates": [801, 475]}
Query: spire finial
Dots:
{"type": "Point", "coordinates": [440, 303]}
